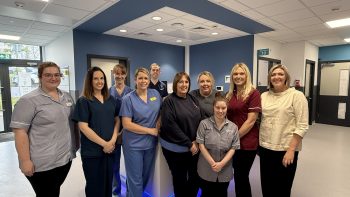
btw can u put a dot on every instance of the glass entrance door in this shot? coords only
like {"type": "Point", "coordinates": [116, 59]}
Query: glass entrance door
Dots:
{"type": "Point", "coordinates": [15, 81]}
{"type": "Point", "coordinates": [2, 122]}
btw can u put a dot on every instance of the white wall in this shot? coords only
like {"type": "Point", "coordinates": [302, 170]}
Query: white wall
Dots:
{"type": "Point", "coordinates": [311, 53]}
{"type": "Point", "coordinates": [263, 43]}
{"type": "Point", "coordinates": [292, 55]}
{"type": "Point", "coordinates": [61, 52]}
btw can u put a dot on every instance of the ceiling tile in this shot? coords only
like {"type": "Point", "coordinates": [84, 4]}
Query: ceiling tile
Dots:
{"type": "Point", "coordinates": [175, 23]}
{"type": "Point", "coordinates": [194, 18]}
{"type": "Point", "coordinates": [148, 17]}
{"type": "Point", "coordinates": [312, 3]}
{"type": "Point", "coordinates": [253, 14]}
{"type": "Point", "coordinates": [30, 5]}
{"type": "Point", "coordinates": [59, 10]}
{"type": "Point", "coordinates": [295, 15]}
{"type": "Point", "coordinates": [88, 5]}
{"type": "Point", "coordinates": [234, 6]}
{"type": "Point", "coordinates": [304, 22]}
{"type": "Point", "coordinates": [49, 27]}
{"type": "Point", "coordinates": [256, 4]}
{"type": "Point", "coordinates": [15, 21]}
{"type": "Point", "coordinates": [172, 11]}
{"type": "Point", "coordinates": [138, 24]}
{"type": "Point", "coordinates": [327, 8]}
{"type": "Point", "coordinates": [12, 28]}
{"type": "Point", "coordinates": [281, 7]}
{"type": "Point", "coordinates": [336, 16]}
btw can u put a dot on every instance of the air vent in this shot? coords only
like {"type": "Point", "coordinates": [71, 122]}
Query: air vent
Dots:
{"type": "Point", "coordinates": [143, 34]}
{"type": "Point", "coordinates": [199, 29]}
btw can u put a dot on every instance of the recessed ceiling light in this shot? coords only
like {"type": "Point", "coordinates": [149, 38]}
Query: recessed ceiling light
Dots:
{"type": "Point", "coordinates": [214, 33]}
{"type": "Point", "coordinates": [339, 23]}
{"type": "Point", "coordinates": [123, 30]}
{"type": "Point", "coordinates": [178, 41]}
{"type": "Point", "coordinates": [157, 18]}
{"type": "Point", "coordinates": [8, 37]}
{"type": "Point", "coordinates": [45, 0]}
{"type": "Point", "coordinates": [347, 39]}
{"type": "Point", "coordinates": [160, 29]}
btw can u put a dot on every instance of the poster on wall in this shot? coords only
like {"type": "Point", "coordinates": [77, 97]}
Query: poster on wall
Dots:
{"type": "Point", "coordinates": [343, 82]}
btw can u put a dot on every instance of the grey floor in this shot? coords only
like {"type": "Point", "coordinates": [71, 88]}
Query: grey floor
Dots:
{"type": "Point", "coordinates": [323, 168]}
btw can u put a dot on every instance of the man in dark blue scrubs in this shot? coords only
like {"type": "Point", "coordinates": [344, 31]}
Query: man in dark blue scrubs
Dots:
{"type": "Point", "coordinates": [155, 83]}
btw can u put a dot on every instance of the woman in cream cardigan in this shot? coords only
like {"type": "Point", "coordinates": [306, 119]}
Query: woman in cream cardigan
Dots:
{"type": "Point", "coordinates": [283, 126]}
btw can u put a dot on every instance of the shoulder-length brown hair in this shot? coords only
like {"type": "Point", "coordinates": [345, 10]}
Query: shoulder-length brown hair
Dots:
{"type": "Point", "coordinates": [177, 78]}
{"type": "Point", "coordinates": [286, 73]}
{"type": "Point", "coordinates": [88, 90]}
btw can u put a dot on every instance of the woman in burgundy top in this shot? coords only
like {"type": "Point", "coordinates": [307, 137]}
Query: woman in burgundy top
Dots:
{"type": "Point", "coordinates": [243, 109]}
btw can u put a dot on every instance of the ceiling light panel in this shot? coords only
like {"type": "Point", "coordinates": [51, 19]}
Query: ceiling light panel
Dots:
{"type": "Point", "coordinates": [9, 37]}
{"type": "Point", "coordinates": [339, 23]}
{"type": "Point", "coordinates": [347, 39]}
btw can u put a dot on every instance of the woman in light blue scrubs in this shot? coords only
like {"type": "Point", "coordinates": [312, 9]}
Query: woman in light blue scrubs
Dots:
{"type": "Point", "coordinates": [140, 118]}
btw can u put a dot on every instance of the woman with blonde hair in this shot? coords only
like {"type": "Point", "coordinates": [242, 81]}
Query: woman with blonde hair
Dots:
{"type": "Point", "coordinates": [205, 94]}
{"type": "Point", "coordinates": [140, 117]}
{"type": "Point", "coordinates": [243, 109]}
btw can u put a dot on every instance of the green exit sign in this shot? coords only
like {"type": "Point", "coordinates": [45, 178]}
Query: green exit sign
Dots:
{"type": "Point", "coordinates": [263, 52]}
{"type": "Point", "coordinates": [5, 56]}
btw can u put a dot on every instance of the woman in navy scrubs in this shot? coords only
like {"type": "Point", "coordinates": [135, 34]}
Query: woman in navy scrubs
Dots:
{"type": "Point", "coordinates": [140, 117]}
{"type": "Point", "coordinates": [97, 115]}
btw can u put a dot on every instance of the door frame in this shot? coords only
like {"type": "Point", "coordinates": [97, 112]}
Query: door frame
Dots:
{"type": "Point", "coordinates": [6, 90]}
{"type": "Point", "coordinates": [319, 70]}
{"type": "Point", "coordinates": [123, 60]}
{"type": "Point", "coordinates": [312, 96]}
{"type": "Point", "coordinates": [270, 64]}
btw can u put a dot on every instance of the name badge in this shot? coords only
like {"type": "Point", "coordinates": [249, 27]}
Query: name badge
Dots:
{"type": "Point", "coordinates": [153, 98]}
{"type": "Point", "coordinates": [69, 104]}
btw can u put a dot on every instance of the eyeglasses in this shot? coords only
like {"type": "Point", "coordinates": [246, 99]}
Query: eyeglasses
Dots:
{"type": "Point", "coordinates": [56, 75]}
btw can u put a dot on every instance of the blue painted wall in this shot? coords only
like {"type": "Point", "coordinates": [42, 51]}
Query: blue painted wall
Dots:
{"type": "Point", "coordinates": [139, 53]}
{"type": "Point", "coordinates": [219, 57]}
{"type": "Point", "coordinates": [338, 52]}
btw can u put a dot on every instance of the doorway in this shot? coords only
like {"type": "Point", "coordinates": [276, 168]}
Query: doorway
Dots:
{"type": "Point", "coordinates": [17, 78]}
{"type": "Point", "coordinates": [333, 106]}
{"type": "Point", "coordinates": [309, 90]}
{"type": "Point", "coordinates": [107, 63]}
{"type": "Point", "coordinates": [264, 65]}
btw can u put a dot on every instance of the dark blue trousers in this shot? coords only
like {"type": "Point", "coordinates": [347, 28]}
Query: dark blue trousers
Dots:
{"type": "Point", "coordinates": [98, 172]}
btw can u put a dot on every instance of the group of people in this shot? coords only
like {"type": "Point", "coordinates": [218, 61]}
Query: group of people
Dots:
{"type": "Point", "coordinates": [207, 138]}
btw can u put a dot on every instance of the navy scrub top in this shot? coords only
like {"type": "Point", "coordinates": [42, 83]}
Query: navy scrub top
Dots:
{"type": "Point", "coordinates": [101, 119]}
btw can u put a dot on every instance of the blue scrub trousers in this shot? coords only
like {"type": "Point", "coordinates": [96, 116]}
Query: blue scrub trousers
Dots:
{"type": "Point", "coordinates": [139, 165]}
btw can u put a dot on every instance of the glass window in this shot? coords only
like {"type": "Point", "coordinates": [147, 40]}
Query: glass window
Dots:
{"type": "Point", "coordinates": [19, 51]}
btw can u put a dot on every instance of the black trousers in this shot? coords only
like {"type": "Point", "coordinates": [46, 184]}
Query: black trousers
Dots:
{"type": "Point", "coordinates": [48, 183]}
{"type": "Point", "coordinates": [276, 180]}
{"type": "Point", "coordinates": [183, 167]}
{"type": "Point", "coordinates": [242, 162]}
{"type": "Point", "coordinates": [214, 189]}
{"type": "Point", "coordinates": [98, 172]}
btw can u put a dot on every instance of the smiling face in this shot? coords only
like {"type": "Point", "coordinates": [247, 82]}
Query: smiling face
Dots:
{"type": "Point", "coordinates": [142, 81]}
{"type": "Point", "coordinates": [182, 86]}
{"type": "Point", "coordinates": [239, 77]}
{"type": "Point", "coordinates": [119, 76]}
{"type": "Point", "coordinates": [50, 78]}
{"type": "Point", "coordinates": [220, 110]}
{"type": "Point", "coordinates": [205, 85]}
{"type": "Point", "coordinates": [155, 71]}
{"type": "Point", "coordinates": [278, 80]}
{"type": "Point", "coordinates": [98, 81]}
